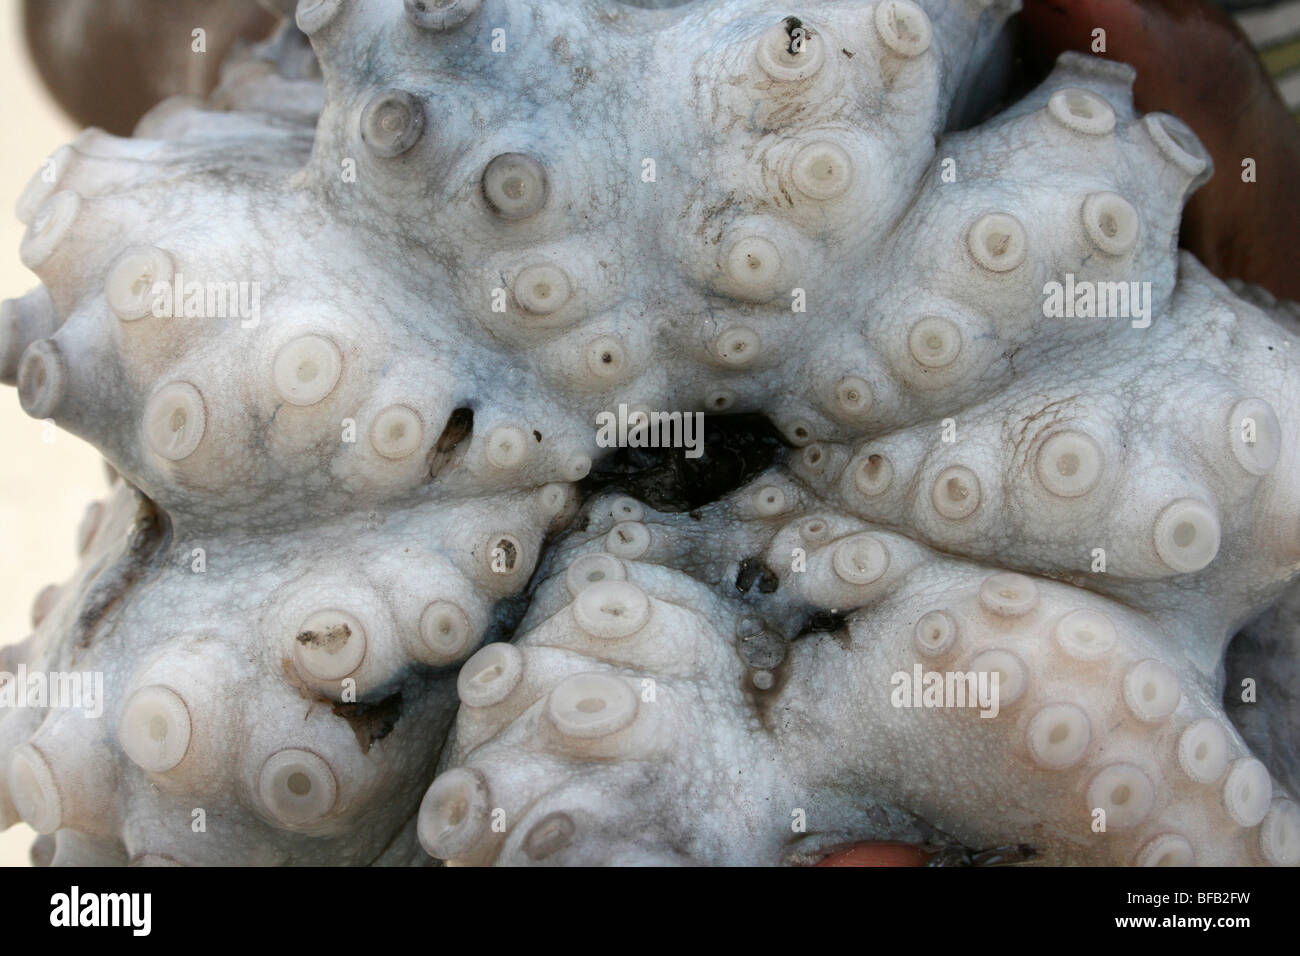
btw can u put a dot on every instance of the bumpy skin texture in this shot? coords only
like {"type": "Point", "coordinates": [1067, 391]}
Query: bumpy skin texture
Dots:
{"type": "Point", "coordinates": [437, 230]}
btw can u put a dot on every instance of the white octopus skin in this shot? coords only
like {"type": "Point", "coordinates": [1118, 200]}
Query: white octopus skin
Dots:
{"type": "Point", "coordinates": [437, 230]}
{"type": "Point", "coordinates": [711, 766]}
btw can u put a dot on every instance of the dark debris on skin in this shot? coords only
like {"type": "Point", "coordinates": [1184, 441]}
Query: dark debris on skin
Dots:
{"type": "Point", "coordinates": [753, 571]}
{"type": "Point", "coordinates": [958, 855]}
{"type": "Point", "coordinates": [371, 721]}
{"type": "Point", "coordinates": [822, 621]}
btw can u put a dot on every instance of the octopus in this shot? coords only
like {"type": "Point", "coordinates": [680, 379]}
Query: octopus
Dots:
{"type": "Point", "coordinates": [989, 549]}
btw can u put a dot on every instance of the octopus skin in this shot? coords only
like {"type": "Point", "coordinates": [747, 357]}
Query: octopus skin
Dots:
{"type": "Point", "coordinates": [355, 600]}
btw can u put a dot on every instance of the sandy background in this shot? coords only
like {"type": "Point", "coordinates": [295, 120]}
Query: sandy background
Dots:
{"type": "Point", "coordinates": [44, 486]}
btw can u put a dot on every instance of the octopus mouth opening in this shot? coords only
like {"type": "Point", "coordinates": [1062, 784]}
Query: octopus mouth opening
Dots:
{"type": "Point", "coordinates": [736, 449]}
